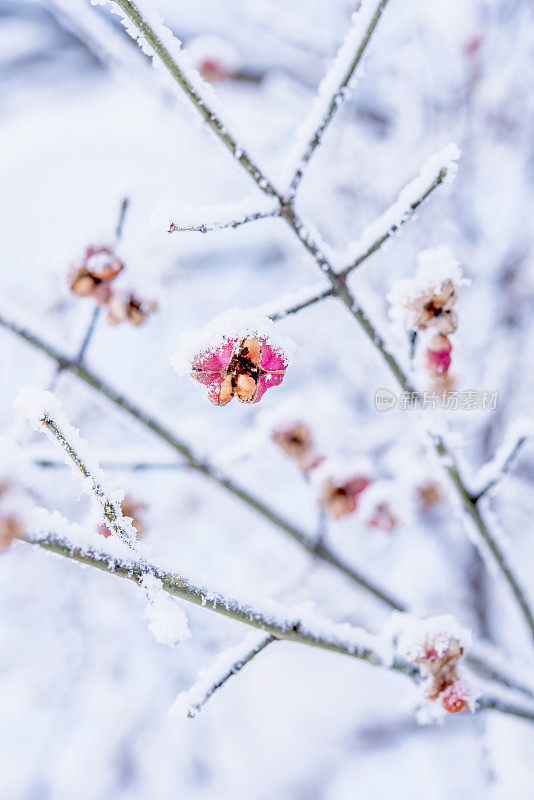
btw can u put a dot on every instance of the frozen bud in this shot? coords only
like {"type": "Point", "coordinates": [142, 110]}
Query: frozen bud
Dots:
{"type": "Point", "coordinates": [127, 307]}
{"type": "Point", "coordinates": [297, 443]}
{"type": "Point", "coordinates": [455, 698]}
{"type": "Point", "coordinates": [10, 529]}
{"type": "Point", "coordinates": [429, 494]}
{"type": "Point", "coordinates": [340, 498]}
{"type": "Point", "coordinates": [132, 508]}
{"type": "Point", "coordinates": [243, 368]}
{"type": "Point", "coordinates": [215, 58]}
{"type": "Point", "coordinates": [438, 355]}
{"type": "Point", "coordinates": [429, 297]}
{"type": "Point", "coordinates": [99, 266]}
{"type": "Point", "coordinates": [382, 518]}
{"type": "Point", "coordinates": [440, 664]}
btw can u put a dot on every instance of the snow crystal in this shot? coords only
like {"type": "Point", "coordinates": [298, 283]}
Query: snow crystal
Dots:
{"type": "Point", "coordinates": [167, 621]}
{"type": "Point", "coordinates": [188, 703]}
{"type": "Point", "coordinates": [170, 214]}
{"type": "Point", "coordinates": [233, 324]}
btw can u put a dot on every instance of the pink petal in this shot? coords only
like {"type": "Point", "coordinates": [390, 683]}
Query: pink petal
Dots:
{"type": "Point", "coordinates": [272, 360]}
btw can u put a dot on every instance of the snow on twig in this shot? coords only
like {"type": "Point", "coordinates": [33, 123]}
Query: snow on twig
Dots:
{"type": "Point", "coordinates": [229, 662]}
{"type": "Point", "coordinates": [441, 167]}
{"type": "Point", "coordinates": [45, 413]}
{"type": "Point", "coordinates": [171, 216]}
{"type": "Point", "coordinates": [145, 26]}
{"type": "Point", "coordinates": [333, 89]}
{"type": "Point", "coordinates": [493, 471]}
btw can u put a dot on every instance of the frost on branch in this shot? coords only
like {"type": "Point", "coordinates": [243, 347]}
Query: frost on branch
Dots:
{"type": "Point", "coordinates": [239, 354]}
{"type": "Point", "coordinates": [516, 435]}
{"type": "Point", "coordinates": [46, 415]}
{"type": "Point", "coordinates": [333, 89]}
{"type": "Point", "coordinates": [437, 645]}
{"type": "Point", "coordinates": [167, 621]}
{"type": "Point", "coordinates": [440, 167]}
{"type": "Point", "coordinates": [170, 215]}
{"type": "Point", "coordinates": [226, 664]}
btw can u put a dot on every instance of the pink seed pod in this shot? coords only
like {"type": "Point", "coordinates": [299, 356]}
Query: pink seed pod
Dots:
{"type": "Point", "coordinates": [438, 355]}
{"type": "Point", "coordinates": [341, 498]}
{"type": "Point", "coordinates": [92, 278]}
{"type": "Point", "coordinates": [242, 368]}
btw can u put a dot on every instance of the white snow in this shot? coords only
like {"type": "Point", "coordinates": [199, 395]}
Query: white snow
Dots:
{"type": "Point", "coordinates": [167, 620]}
{"type": "Point", "coordinates": [515, 435]}
{"type": "Point", "coordinates": [412, 634]}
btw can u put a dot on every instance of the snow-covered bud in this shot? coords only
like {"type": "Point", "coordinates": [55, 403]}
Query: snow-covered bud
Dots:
{"type": "Point", "coordinates": [127, 307]}
{"type": "Point", "coordinates": [10, 529]}
{"type": "Point", "coordinates": [438, 355]}
{"type": "Point", "coordinates": [340, 497]}
{"type": "Point", "coordinates": [133, 509]}
{"type": "Point", "coordinates": [98, 268]}
{"type": "Point", "coordinates": [437, 645]}
{"type": "Point", "coordinates": [297, 443]}
{"type": "Point", "coordinates": [216, 59]}
{"type": "Point", "coordinates": [426, 300]}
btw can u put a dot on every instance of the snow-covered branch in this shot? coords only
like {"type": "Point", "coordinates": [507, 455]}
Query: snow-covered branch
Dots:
{"type": "Point", "coordinates": [172, 216]}
{"type": "Point", "coordinates": [210, 679]}
{"type": "Point", "coordinates": [491, 473]}
{"type": "Point", "coordinates": [46, 415]}
{"type": "Point", "coordinates": [334, 87]}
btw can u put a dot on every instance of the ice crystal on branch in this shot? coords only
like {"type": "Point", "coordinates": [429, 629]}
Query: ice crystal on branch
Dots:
{"type": "Point", "coordinates": [171, 215]}
{"type": "Point", "coordinates": [239, 354]}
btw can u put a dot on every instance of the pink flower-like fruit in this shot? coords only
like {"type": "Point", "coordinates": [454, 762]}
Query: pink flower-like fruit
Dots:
{"type": "Point", "coordinates": [242, 368]}
{"type": "Point", "coordinates": [92, 278]}
{"type": "Point", "coordinates": [341, 498]}
{"type": "Point", "coordinates": [455, 698]}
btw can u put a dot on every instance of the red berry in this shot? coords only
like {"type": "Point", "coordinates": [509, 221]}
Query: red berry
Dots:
{"type": "Point", "coordinates": [454, 699]}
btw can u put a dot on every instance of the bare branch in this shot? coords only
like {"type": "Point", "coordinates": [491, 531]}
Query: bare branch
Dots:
{"type": "Point", "coordinates": [499, 466]}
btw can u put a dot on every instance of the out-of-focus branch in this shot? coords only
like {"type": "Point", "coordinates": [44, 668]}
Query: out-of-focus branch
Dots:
{"type": "Point", "coordinates": [306, 541]}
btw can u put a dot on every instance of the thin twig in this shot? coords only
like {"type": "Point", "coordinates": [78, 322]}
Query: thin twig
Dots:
{"type": "Point", "coordinates": [504, 468]}
{"type": "Point", "coordinates": [119, 466]}
{"type": "Point", "coordinates": [235, 223]}
{"type": "Point", "coordinates": [337, 97]}
{"type": "Point", "coordinates": [191, 701]}
{"type": "Point", "coordinates": [111, 512]}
